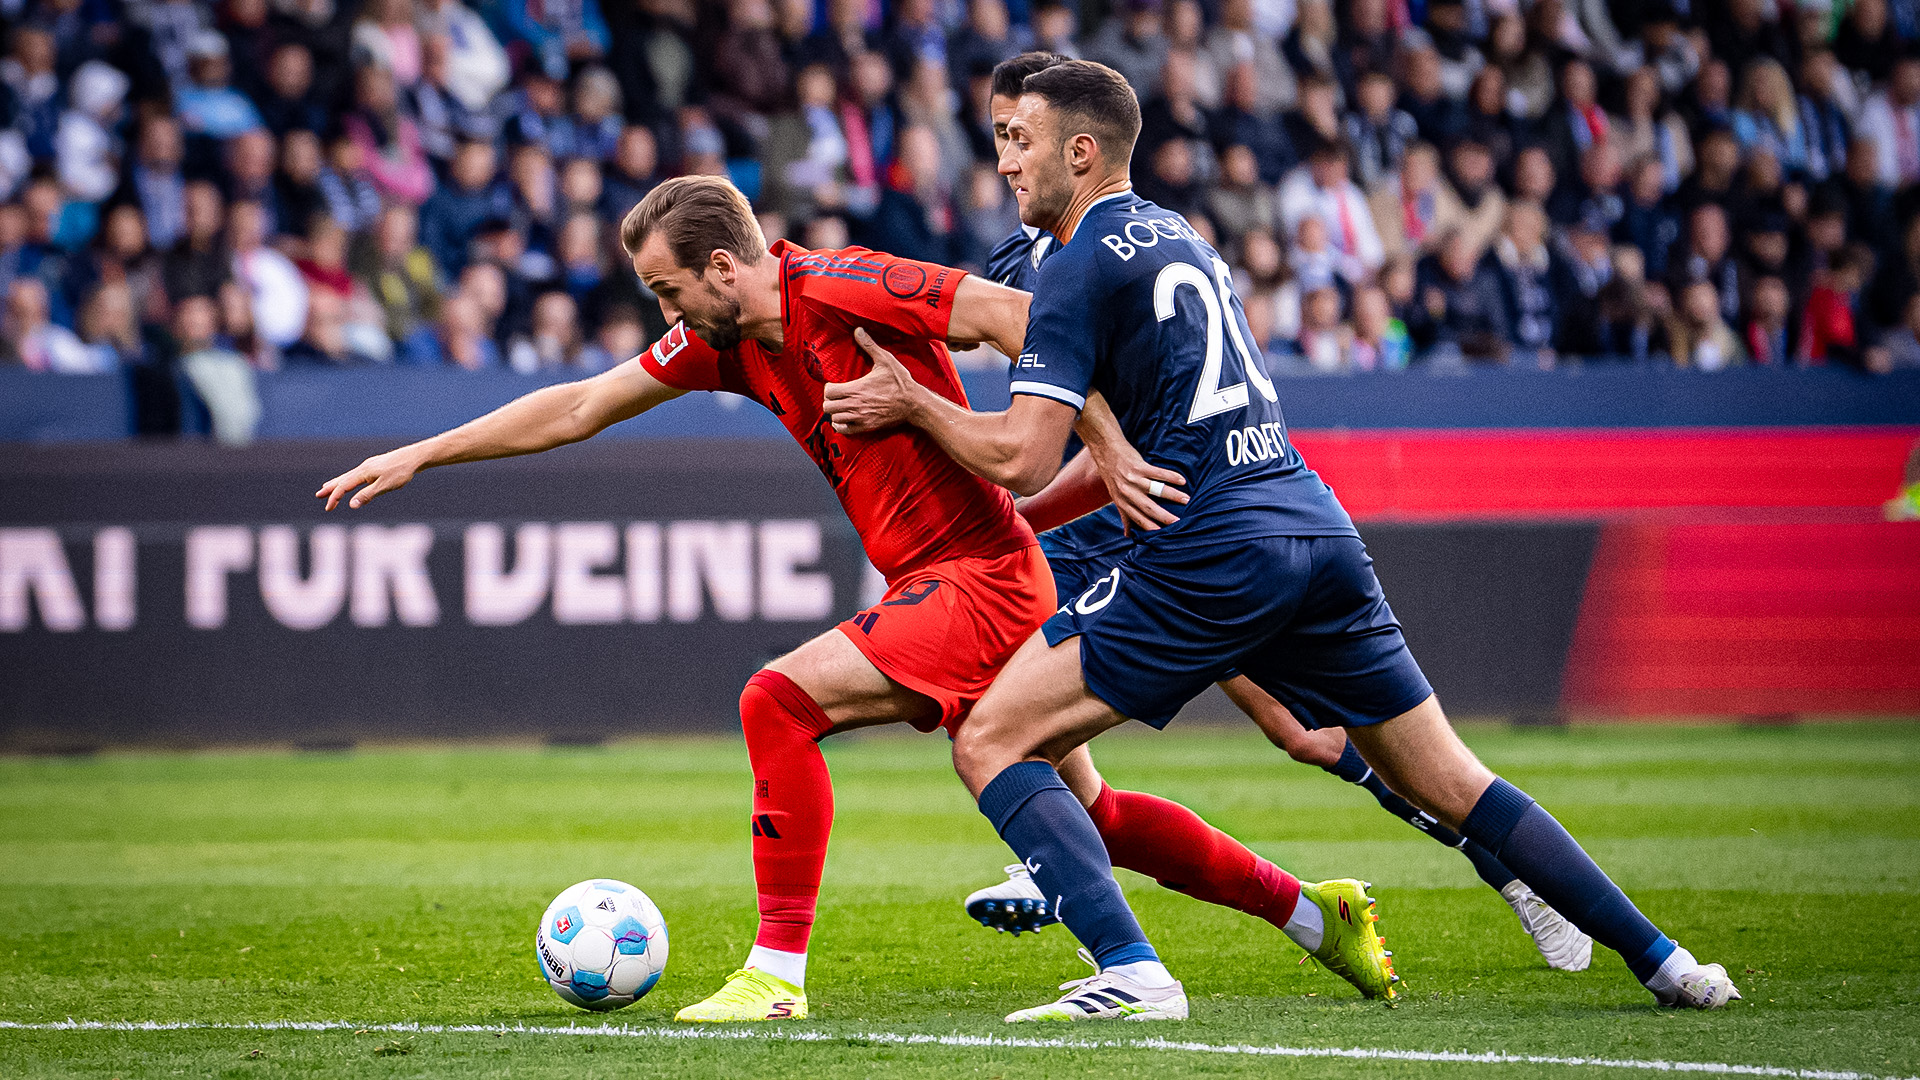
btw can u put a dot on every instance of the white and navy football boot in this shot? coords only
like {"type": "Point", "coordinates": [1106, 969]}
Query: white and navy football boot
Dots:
{"type": "Point", "coordinates": [1016, 904]}
{"type": "Point", "coordinates": [1107, 995]}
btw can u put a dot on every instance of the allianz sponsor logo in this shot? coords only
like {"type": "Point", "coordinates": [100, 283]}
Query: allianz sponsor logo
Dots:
{"type": "Point", "coordinates": [1148, 232]}
{"type": "Point", "coordinates": [1250, 444]}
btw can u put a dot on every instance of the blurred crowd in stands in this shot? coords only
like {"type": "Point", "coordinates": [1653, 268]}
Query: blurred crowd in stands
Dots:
{"type": "Point", "coordinates": [197, 190]}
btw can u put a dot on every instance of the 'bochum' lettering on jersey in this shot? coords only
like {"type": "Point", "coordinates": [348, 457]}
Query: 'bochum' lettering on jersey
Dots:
{"type": "Point", "coordinates": [1139, 307]}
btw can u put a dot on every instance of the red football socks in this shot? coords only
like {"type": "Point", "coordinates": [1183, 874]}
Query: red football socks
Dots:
{"type": "Point", "coordinates": [1169, 843]}
{"type": "Point", "coordinates": [792, 806]}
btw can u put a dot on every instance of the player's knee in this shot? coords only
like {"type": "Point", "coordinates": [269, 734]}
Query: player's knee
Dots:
{"type": "Point", "coordinates": [771, 700]}
{"type": "Point", "coordinates": [980, 753]}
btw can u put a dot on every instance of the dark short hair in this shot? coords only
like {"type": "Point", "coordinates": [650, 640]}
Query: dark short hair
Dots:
{"type": "Point", "coordinates": [1094, 99]}
{"type": "Point", "coordinates": [698, 215]}
{"type": "Point", "coordinates": [1008, 75]}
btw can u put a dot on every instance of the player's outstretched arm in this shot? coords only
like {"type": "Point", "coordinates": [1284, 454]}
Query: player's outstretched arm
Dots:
{"type": "Point", "coordinates": [1019, 449]}
{"type": "Point", "coordinates": [549, 417]}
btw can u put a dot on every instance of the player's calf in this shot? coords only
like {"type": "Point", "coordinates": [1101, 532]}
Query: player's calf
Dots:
{"type": "Point", "coordinates": [1421, 756]}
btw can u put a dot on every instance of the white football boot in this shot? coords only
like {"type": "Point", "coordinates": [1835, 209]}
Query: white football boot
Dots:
{"type": "Point", "coordinates": [1564, 945]}
{"type": "Point", "coordinates": [1016, 904]}
{"type": "Point", "coordinates": [1685, 983]}
{"type": "Point", "coordinates": [1107, 996]}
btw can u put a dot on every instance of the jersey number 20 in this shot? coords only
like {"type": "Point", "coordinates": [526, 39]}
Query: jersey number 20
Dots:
{"type": "Point", "coordinates": [1209, 397]}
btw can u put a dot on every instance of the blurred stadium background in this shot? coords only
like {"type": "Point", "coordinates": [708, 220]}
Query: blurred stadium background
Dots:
{"type": "Point", "coordinates": [1606, 336]}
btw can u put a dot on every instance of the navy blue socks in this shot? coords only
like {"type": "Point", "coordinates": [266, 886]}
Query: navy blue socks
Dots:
{"type": "Point", "coordinates": [1507, 822]}
{"type": "Point", "coordinates": [1354, 770]}
{"type": "Point", "coordinates": [1034, 812]}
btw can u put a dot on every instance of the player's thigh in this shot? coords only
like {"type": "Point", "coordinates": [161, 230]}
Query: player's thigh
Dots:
{"type": "Point", "coordinates": [848, 687]}
{"type": "Point", "coordinates": [1340, 660]}
{"type": "Point", "coordinates": [1322, 748]}
{"type": "Point", "coordinates": [1039, 708]}
{"type": "Point", "coordinates": [1421, 757]}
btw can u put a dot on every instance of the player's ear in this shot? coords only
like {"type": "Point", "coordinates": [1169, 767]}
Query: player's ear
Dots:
{"type": "Point", "coordinates": [1081, 152]}
{"type": "Point", "coordinates": [722, 263]}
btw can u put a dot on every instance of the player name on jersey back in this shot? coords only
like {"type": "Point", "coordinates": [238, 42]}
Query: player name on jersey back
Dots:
{"type": "Point", "coordinates": [1141, 308]}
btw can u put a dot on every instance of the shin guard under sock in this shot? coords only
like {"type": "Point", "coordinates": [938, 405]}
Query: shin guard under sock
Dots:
{"type": "Point", "coordinates": [1034, 812]}
{"type": "Point", "coordinates": [792, 806]}
{"type": "Point", "coordinates": [1508, 823]}
{"type": "Point", "coordinates": [1171, 844]}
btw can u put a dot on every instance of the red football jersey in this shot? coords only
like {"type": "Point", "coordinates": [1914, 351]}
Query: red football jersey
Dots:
{"type": "Point", "coordinates": [911, 504]}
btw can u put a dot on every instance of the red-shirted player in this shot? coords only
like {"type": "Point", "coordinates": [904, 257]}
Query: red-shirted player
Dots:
{"type": "Point", "coordinates": [966, 581]}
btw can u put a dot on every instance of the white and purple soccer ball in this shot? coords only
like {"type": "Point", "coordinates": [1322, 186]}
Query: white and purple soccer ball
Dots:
{"type": "Point", "coordinates": [602, 945]}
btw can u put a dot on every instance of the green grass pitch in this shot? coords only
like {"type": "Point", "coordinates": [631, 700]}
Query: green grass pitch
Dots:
{"type": "Point", "coordinates": [382, 888]}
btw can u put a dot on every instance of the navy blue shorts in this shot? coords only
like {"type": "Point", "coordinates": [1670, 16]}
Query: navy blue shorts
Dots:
{"type": "Point", "coordinates": [1302, 616]}
{"type": "Point", "coordinates": [1083, 550]}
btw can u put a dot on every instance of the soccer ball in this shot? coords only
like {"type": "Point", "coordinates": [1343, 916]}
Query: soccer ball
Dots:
{"type": "Point", "coordinates": [601, 945]}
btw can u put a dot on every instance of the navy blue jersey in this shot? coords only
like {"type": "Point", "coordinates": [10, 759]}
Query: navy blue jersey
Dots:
{"type": "Point", "coordinates": [1140, 308]}
{"type": "Point", "coordinates": [1091, 543]}
{"type": "Point", "coordinates": [1015, 261]}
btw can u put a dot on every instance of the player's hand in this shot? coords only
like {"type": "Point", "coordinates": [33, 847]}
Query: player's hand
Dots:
{"type": "Point", "coordinates": [375, 476]}
{"type": "Point", "coordinates": [1138, 489]}
{"type": "Point", "coordinates": [880, 399]}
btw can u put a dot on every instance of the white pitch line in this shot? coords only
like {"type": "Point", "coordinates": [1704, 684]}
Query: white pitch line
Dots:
{"type": "Point", "coordinates": [1450, 1057]}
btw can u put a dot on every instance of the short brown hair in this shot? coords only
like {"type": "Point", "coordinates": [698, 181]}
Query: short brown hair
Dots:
{"type": "Point", "coordinates": [699, 215]}
{"type": "Point", "coordinates": [1093, 99]}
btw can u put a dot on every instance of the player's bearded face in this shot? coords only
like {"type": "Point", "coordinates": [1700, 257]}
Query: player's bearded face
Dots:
{"type": "Point", "coordinates": [1049, 185]}
{"type": "Point", "coordinates": [712, 314]}
{"type": "Point", "coordinates": [1034, 162]}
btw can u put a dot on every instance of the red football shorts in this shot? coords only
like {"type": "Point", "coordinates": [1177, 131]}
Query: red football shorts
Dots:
{"type": "Point", "coordinates": [947, 630]}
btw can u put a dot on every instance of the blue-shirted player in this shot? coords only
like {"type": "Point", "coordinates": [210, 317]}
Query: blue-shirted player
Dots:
{"type": "Point", "coordinates": [1086, 548]}
{"type": "Point", "coordinates": [1263, 572]}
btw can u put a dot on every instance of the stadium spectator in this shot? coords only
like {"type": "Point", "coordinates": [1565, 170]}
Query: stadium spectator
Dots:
{"type": "Point", "coordinates": [1901, 348]}
{"type": "Point", "coordinates": [1237, 39]}
{"type": "Point", "coordinates": [323, 341]}
{"type": "Point", "coordinates": [1698, 332]}
{"type": "Point", "coordinates": [1380, 340]}
{"type": "Point", "coordinates": [32, 340]}
{"type": "Point", "coordinates": [1526, 271]}
{"type": "Point", "coordinates": [222, 380]}
{"type": "Point", "coordinates": [1414, 206]}
{"type": "Point", "coordinates": [351, 196]}
{"type": "Point", "coordinates": [198, 263]}
{"type": "Point", "coordinates": [250, 165]}
{"type": "Point", "coordinates": [458, 340]}
{"type": "Point", "coordinates": [470, 196]}
{"type": "Point", "coordinates": [1768, 339]}
{"type": "Point", "coordinates": [477, 68]}
{"type": "Point", "coordinates": [1240, 202]}
{"type": "Point", "coordinates": [85, 143]}
{"type": "Point", "coordinates": [207, 105]}
{"type": "Point", "coordinates": [1829, 330]}
{"type": "Point", "coordinates": [1321, 189]}
{"type": "Point", "coordinates": [1704, 255]}
{"type": "Point", "coordinates": [1461, 311]}
{"type": "Point", "coordinates": [1378, 131]}
{"type": "Point", "coordinates": [289, 103]}
{"type": "Point", "coordinates": [1740, 144]}
{"type": "Point", "coordinates": [276, 292]}
{"type": "Point", "coordinates": [1132, 44]}
{"type": "Point", "coordinates": [388, 140]}
{"type": "Point", "coordinates": [110, 329]}
{"type": "Point", "coordinates": [156, 183]}
{"type": "Point", "coordinates": [403, 276]}
{"type": "Point", "coordinates": [554, 342]}
{"type": "Point", "coordinates": [1646, 130]}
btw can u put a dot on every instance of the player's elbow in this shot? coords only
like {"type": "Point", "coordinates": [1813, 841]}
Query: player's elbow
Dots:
{"type": "Point", "coordinates": [1026, 472]}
